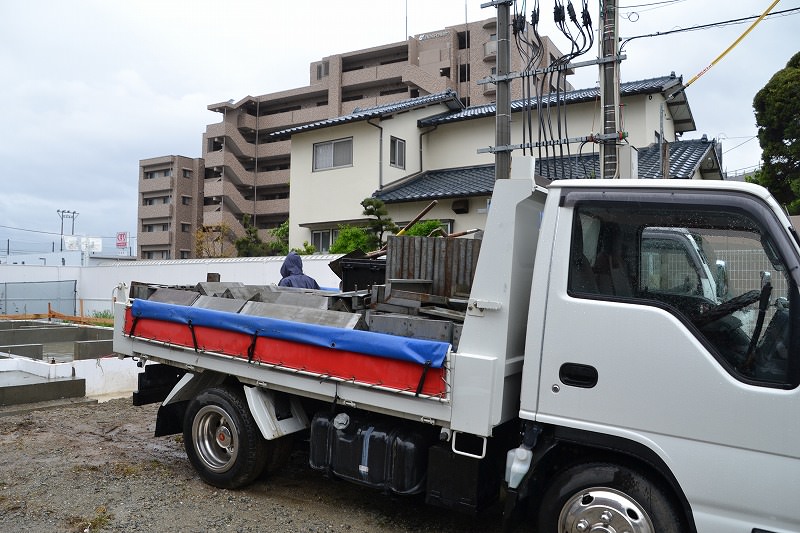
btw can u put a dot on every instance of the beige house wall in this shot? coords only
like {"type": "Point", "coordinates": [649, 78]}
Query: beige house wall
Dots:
{"type": "Point", "coordinates": [336, 194]}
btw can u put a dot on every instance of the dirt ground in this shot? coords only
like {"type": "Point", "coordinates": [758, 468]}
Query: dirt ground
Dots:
{"type": "Point", "coordinates": [97, 467]}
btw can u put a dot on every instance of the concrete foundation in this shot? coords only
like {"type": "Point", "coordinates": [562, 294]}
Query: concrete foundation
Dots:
{"type": "Point", "coordinates": [18, 387]}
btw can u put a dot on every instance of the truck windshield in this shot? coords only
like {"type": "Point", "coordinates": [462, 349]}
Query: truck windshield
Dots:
{"type": "Point", "coordinates": [710, 267]}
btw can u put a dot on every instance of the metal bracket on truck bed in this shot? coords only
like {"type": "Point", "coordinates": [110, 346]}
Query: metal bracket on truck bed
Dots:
{"type": "Point", "coordinates": [476, 306]}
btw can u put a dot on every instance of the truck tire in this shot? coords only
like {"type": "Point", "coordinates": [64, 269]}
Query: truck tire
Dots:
{"type": "Point", "coordinates": [222, 440]}
{"type": "Point", "coordinates": [604, 496]}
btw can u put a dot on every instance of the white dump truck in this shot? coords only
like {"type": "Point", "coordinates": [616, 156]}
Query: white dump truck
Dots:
{"type": "Point", "coordinates": [583, 364]}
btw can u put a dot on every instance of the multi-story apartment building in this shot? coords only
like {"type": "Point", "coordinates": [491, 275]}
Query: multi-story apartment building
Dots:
{"type": "Point", "coordinates": [170, 208]}
{"type": "Point", "coordinates": [247, 172]}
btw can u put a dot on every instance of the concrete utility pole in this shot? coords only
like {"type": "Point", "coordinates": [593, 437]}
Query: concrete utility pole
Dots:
{"type": "Point", "coordinates": [502, 157]}
{"type": "Point", "coordinates": [609, 88]}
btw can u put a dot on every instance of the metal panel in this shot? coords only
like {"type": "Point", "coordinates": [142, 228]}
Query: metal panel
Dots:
{"type": "Point", "coordinates": [33, 297]}
{"type": "Point", "coordinates": [410, 326]}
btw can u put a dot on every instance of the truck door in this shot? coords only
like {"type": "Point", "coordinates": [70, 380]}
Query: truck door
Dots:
{"type": "Point", "coordinates": [709, 384]}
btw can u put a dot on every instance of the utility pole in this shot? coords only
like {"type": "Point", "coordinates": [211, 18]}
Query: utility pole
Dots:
{"type": "Point", "coordinates": [62, 213]}
{"type": "Point", "coordinates": [609, 88]}
{"type": "Point", "coordinates": [502, 157]}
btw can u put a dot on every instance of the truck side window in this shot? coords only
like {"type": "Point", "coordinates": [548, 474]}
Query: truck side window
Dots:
{"type": "Point", "coordinates": [711, 267]}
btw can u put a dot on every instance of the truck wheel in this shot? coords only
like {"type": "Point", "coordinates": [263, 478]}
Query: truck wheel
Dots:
{"type": "Point", "coordinates": [606, 497]}
{"type": "Point", "coordinates": [222, 440]}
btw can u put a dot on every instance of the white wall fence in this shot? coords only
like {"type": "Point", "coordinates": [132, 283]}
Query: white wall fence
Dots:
{"type": "Point", "coordinates": [96, 284]}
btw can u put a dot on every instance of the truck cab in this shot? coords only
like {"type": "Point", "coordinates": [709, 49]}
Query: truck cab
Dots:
{"type": "Point", "coordinates": [648, 364]}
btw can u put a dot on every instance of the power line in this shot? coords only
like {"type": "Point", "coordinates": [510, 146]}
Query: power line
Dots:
{"type": "Point", "coordinates": [720, 24]}
{"type": "Point", "coordinates": [31, 230]}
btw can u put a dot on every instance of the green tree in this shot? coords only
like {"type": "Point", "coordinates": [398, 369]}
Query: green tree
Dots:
{"type": "Point", "coordinates": [280, 243]}
{"type": "Point", "coordinates": [777, 109]}
{"type": "Point", "coordinates": [424, 228]}
{"type": "Point", "coordinates": [351, 238]}
{"type": "Point", "coordinates": [381, 222]}
{"type": "Point", "coordinates": [250, 245]}
{"type": "Point", "coordinates": [307, 249]}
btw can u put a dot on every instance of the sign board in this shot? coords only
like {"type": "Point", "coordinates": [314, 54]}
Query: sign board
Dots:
{"type": "Point", "coordinates": [72, 243]}
{"type": "Point", "coordinates": [92, 244]}
{"type": "Point", "coordinates": [122, 239]}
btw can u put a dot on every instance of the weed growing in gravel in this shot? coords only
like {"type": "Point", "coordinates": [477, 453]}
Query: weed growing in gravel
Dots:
{"type": "Point", "coordinates": [99, 521]}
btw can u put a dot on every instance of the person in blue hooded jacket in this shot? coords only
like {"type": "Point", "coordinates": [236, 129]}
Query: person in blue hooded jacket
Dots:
{"type": "Point", "coordinates": [292, 273]}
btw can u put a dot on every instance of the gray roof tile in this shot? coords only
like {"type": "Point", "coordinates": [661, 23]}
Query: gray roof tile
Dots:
{"type": "Point", "coordinates": [648, 86]}
{"type": "Point", "coordinates": [685, 158]}
{"type": "Point", "coordinates": [448, 97]}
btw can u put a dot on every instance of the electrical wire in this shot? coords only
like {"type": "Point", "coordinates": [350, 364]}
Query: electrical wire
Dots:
{"type": "Point", "coordinates": [721, 24]}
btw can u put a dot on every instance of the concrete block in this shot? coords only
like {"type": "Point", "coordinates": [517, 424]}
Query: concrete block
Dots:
{"type": "Point", "coordinates": [93, 349]}
{"type": "Point", "coordinates": [34, 351]}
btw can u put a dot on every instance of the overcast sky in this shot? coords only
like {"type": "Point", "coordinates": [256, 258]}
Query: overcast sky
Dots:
{"type": "Point", "coordinates": [90, 87]}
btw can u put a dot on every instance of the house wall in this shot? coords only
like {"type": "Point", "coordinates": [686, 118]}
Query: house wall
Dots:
{"type": "Point", "coordinates": [336, 194]}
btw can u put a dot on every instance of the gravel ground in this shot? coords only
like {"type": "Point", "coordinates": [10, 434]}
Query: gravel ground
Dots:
{"type": "Point", "coordinates": [97, 467]}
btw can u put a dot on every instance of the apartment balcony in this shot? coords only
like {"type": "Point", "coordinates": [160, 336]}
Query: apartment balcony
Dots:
{"type": "Point", "coordinates": [237, 174]}
{"type": "Point", "coordinates": [217, 218]}
{"type": "Point", "coordinates": [156, 184]}
{"type": "Point", "coordinates": [154, 238]}
{"type": "Point", "coordinates": [287, 118]}
{"type": "Point", "coordinates": [162, 211]}
{"type": "Point", "coordinates": [272, 178]}
{"type": "Point", "coordinates": [372, 76]}
{"type": "Point", "coordinates": [273, 207]}
{"type": "Point", "coordinates": [490, 50]}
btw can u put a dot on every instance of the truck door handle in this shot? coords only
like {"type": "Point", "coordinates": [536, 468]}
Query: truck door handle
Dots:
{"type": "Point", "coordinates": [578, 375]}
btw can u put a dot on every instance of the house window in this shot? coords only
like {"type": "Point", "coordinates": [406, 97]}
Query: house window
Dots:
{"type": "Point", "coordinates": [333, 154]}
{"type": "Point", "coordinates": [397, 153]}
{"type": "Point", "coordinates": [322, 239]}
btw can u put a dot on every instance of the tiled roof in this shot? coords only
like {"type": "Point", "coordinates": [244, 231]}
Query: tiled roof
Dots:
{"type": "Point", "coordinates": [648, 86]}
{"type": "Point", "coordinates": [448, 97]}
{"type": "Point", "coordinates": [448, 183]}
{"type": "Point", "coordinates": [685, 159]}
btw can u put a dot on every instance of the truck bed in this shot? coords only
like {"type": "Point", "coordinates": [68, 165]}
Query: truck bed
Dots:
{"type": "Point", "coordinates": [375, 371]}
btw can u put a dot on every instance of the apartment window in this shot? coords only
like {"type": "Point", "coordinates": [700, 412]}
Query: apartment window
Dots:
{"type": "Point", "coordinates": [186, 200]}
{"type": "Point", "coordinates": [322, 239]}
{"type": "Point", "coordinates": [186, 228]}
{"type": "Point", "coordinates": [187, 173]}
{"type": "Point", "coordinates": [333, 154]}
{"type": "Point", "coordinates": [147, 201]}
{"type": "Point", "coordinates": [397, 152]}
{"type": "Point", "coordinates": [185, 254]}
{"type": "Point", "coordinates": [152, 174]}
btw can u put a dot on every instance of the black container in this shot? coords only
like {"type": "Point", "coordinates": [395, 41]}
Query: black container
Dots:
{"type": "Point", "coordinates": [361, 274]}
{"type": "Point", "coordinates": [376, 452]}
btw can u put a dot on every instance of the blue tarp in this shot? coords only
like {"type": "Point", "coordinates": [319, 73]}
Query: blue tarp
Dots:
{"type": "Point", "coordinates": [419, 351]}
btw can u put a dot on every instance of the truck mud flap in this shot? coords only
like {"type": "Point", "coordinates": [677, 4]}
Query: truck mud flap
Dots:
{"type": "Point", "coordinates": [155, 383]}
